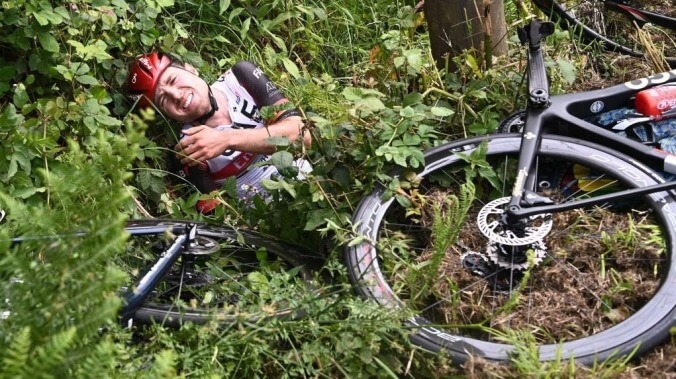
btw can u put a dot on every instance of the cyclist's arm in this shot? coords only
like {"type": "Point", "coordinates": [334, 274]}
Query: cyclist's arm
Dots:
{"type": "Point", "coordinates": [202, 143]}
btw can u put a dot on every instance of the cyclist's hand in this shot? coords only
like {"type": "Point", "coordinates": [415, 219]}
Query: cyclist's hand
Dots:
{"type": "Point", "coordinates": [200, 144]}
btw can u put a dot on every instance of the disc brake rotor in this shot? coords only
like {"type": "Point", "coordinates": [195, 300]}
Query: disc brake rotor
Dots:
{"type": "Point", "coordinates": [490, 224]}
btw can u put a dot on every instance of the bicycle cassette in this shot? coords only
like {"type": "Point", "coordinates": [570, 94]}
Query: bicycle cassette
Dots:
{"type": "Point", "coordinates": [515, 257]}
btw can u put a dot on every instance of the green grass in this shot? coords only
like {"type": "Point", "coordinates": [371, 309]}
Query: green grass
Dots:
{"type": "Point", "coordinates": [62, 72]}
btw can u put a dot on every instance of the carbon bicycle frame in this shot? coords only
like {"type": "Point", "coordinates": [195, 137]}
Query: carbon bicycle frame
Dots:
{"type": "Point", "coordinates": [565, 115]}
{"type": "Point", "coordinates": [639, 15]}
{"type": "Point", "coordinates": [134, 296]}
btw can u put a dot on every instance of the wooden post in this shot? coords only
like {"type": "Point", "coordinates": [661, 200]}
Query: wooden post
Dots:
{"type": "Point", "coordinates": [457, 25]}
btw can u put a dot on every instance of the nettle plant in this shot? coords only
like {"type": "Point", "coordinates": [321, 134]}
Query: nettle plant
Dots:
{"type": "Point", "coordinates": [60, 72]}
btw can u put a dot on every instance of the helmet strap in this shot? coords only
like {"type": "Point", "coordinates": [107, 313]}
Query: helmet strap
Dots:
{"type": "Point", "coordinates": [214, 107]}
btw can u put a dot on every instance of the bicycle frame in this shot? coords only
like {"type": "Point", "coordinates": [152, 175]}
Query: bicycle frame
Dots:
{"type": "Point", "coordinates": [134, 297]}
{"type": "Point", "coordinates": [139, 292]}
{"type": "Point", "coordinates": [640, 16]}
{"type": "Point", "coordinates": [565, 115]}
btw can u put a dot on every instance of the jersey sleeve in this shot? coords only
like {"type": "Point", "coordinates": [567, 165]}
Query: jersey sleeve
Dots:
{"type": "Point", "coordinates": [260, 87]}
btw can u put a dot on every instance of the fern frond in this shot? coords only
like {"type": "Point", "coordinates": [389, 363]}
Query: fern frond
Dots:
{"type": "Point", "coordinates": [15, 356]}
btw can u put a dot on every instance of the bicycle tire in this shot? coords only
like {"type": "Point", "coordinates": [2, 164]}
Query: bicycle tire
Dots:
{"type": "Point", "coordinates": [235, 259]}
{"type": "Point", "coordinates": [613, 30]}
{"type": "Point", "coordinates": [378, 269]}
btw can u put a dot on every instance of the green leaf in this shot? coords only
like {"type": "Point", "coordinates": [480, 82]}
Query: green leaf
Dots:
{"type": "Point", "coordinates": [478, 94]}
{"type": "Point", "coordinates": [412, 99]}
{"type": "Point", "coordinates": [17, 354]}
{"type": "Point", "coordinates": [370, 103]}
{"type": "Point", "coordinates": [245, 28]}
{"type": "Point", "coordinates": [568, 70]}
{"type": "Point", "coordinates": [25, 193]}
{"type": "Point", "coordinates": [279, 185]}
{"type": "Point", "coordinates": [403, 201]}
{"type": "Point", "coordinates": [41, 19]}
{"type": "Point", "coordinates": [411, 139]}
{"type": "Point", "coordinates": [64, 71]}
{"type": "Point", "coordinates": [20, 95]}
{"type": "Point", "coordinates": [407, 112]}
{"type": "Point", "coordinates": [259, 282]}
{"type": "Point", "coordinates": [442, 112]}
{"type": "Point", "coordinates": [96, 50]}
{"type": "Point", "coordinates": [13, 168]}
{"type": "Point", "coordinates": [282, 159]}
{"type": "Point", "coordinates": [354, 93]}
{"type": "Point", "coordinates": [236, 12]}
{"type": "Point", "coordinates": [317, 218]}
{"type": "Point", "coordinates": [7, 73]}
{"type": "Point", "coordinates": [48, 42]}
{"type": "Point", "coordinates": [414, 59]}
{"type": "Point", "coordinates": [9, 118]}
{"type": "Point", "coordinates": [291, 68]}
{"type": "Point", "coordinates": [230, 187]}
{"type": "Point", "coordinates": [107, 120]}
{"type": "Point", "coordinates": [223, 6]}
{"type": "Point", "coordinates": [88, 80]}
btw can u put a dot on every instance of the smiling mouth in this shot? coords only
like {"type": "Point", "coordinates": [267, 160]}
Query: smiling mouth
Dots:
{"type": "Point", "coordinates": [188, 101]}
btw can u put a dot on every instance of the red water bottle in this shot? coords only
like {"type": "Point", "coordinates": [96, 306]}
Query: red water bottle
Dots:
{"type": "Point", "coordinates": [657, 101]}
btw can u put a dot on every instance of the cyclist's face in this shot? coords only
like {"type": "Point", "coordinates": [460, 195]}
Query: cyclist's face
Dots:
{"type": "Point", "coordinates": [181, 95]}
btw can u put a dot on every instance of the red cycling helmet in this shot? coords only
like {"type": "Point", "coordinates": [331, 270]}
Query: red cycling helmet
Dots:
{"type": "Point", "coordinates": [143, 77]}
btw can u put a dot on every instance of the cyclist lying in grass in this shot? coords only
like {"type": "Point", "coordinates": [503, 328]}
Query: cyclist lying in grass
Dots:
{"type": "Point", "coordinates": [224, 134]}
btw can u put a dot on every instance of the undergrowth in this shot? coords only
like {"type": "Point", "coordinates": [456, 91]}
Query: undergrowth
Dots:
{"type": "Point", "coordinates": [76, 157]}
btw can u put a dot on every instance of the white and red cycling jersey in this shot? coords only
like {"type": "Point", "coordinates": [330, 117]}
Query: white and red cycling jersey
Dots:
{"type": "Point", "coordinates": [247, 90]}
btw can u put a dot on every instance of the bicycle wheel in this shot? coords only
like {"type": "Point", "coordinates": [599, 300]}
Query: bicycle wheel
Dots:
{"type": "Point", "coordinates": [601, 21]}
{"type": "Point", "coordinates": [228, 275]}
{"type": "Point", "coordinates": [600, 283]}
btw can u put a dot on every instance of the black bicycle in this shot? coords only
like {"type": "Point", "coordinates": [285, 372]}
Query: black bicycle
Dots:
{"type": "Point", "coordinates": [561, 237]}
{"type": "Point", "coordinates": [185, 271]}
{"type": "Point", "coordinates": [617, 24]}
